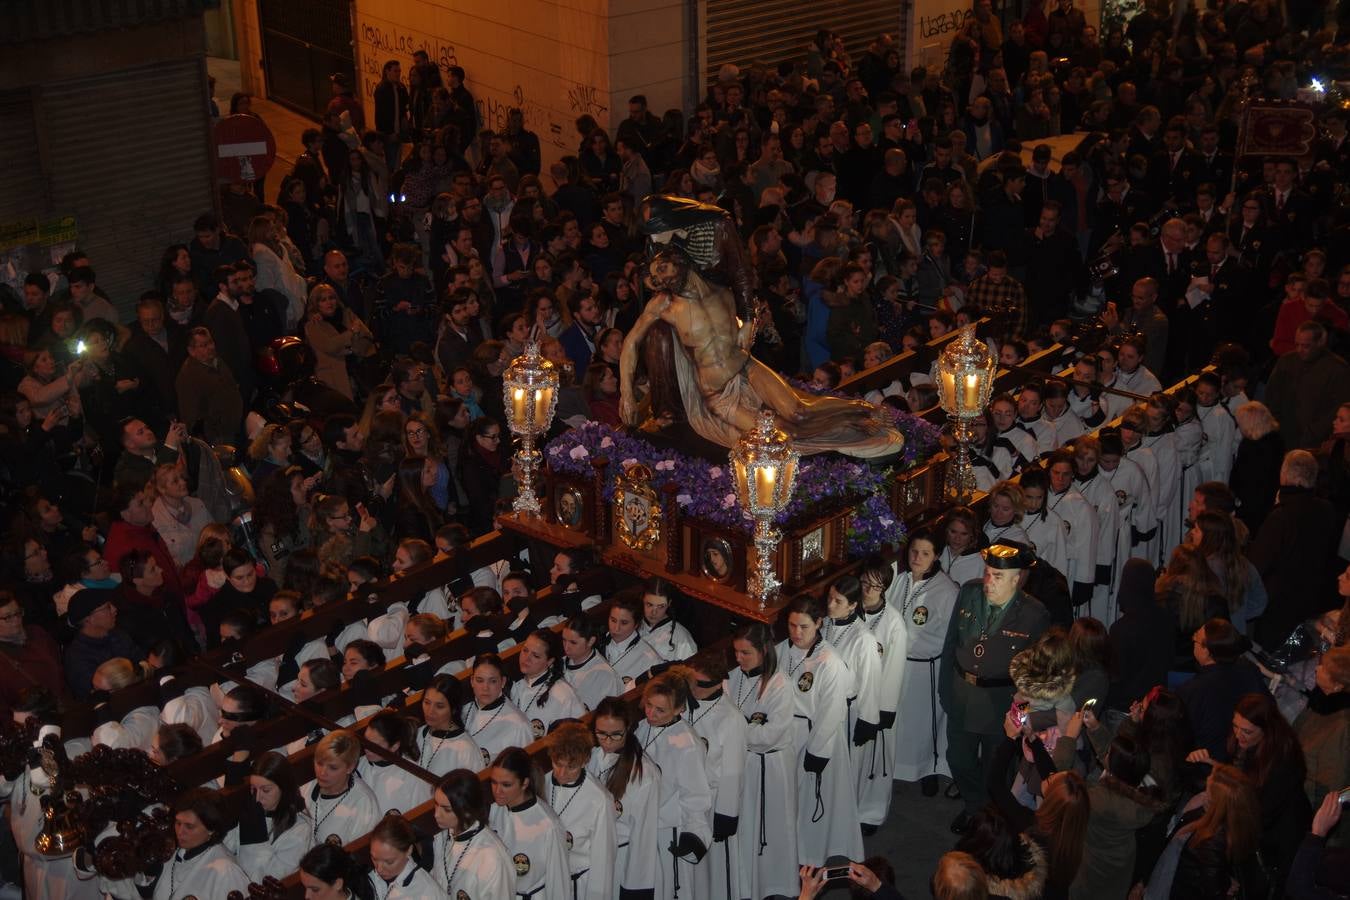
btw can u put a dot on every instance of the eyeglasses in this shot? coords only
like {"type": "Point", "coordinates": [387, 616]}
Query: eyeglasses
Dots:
{"type": "Point", "coordinates": [492, 437]}
{"type": "Point", "coordinates": [417, 432]}
{"type": "Point", "coordinates": [610, 735]}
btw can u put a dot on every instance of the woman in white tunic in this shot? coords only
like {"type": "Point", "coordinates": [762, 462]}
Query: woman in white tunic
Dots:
{"type": "Point", "coordinates": [846, 631]}
{"type": "Point", "coordinates": [1081, 526]}
{"type": "Point", "coordinates": [961, 558]}
{"type": "Point", "coordinates": [1134, 497]}
{"type": "Point", "coordinates": [396, 789]}
{"type": "Point", "coordinates": [1220, 429]}
{"type": "Point", "coordinates": [627, 653]}
{"type": "Point", "coordinates": [671, 640]}
{"type": "Point", "coordinates": [395, 875]}
{"type": "Point", "coordinates": [1162, 437]}
{"type": "Point", "coordinates": [827, 806]}
{"type": "Point", "coordinates": [686, 797]}
{"type": "Point", "coordinates": [1097, 490]}
{"type": "Point", "coordinates": [200, 867]}
{"type": "Point", "coordinates": [273, 831]}
{"type": "Point", "coordinates": [541, 693]}
{"type": "Point", "coordinates": [442, 743]}
{"type": "Point", "coordinates": [1005, 514]}
{"type": "Point", "coordinates": [387, 629]}
{"type": "Point", "coordinates": [585, 669]}
{"type": "Point", "coordinates": [633, 780]}
{"type": "Point", "coordinates": [1190, 443]}
{"type": "Point", "coordinates": [586, 811]}
{"type": "Point", "coordinates": [470, 860]}
{"type": "Point", "coordinates": [768, 833]}
{"type": "Point", "coordinates": [924, 597]}
{"type": "Point", "coordinates": [721, 727]}
{"type": "Point", "coordinates": [341, 806]}
{"type": "Point", "coordinates": [1044, 528]}
{"type": "Point", "coordinates": [491, 719]}
{"type": "Point", "coordinates": [530, 830]}
{"type": "Point", "coordinates": [889, 636]}
{"type": "Point", "coordinates": [330, 873]}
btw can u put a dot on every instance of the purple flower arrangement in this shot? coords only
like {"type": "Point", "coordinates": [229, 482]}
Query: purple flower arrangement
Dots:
{"type": "Point", "coordinates": [708, 492]}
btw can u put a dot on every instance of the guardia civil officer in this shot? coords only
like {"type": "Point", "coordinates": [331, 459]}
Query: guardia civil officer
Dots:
{"type": "Point", "coordinates": [993, 620]}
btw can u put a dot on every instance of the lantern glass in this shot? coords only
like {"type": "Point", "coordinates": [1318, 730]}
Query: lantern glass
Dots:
{"type": "Point", "coordinates": [530, 388]}
{"type": "Point", "coordinates": [964, 375]}
{"type": "Point", "coordinates": [765, 468]}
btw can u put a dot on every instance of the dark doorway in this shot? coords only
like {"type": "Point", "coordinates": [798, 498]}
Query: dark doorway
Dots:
{"type": "Point", "coordinates": [305, 41]}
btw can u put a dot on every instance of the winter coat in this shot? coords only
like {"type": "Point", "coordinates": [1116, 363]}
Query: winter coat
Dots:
{"type": "Point", "coordinates": [1291, 550]}
{"type": "Point", "coordinates": [1117, 811]}
{"type": "Point", "coordinates": [332, 347]}
{"type": "Point", "coordinates": [1323, 730]}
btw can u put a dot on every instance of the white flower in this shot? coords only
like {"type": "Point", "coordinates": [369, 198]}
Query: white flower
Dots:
{"type": "Point", "coordinates": [578, 452]}
{"type": "Point", "coordinates": [666, 465]}
{"type": "Point", "coordinates": [630, 461]}
{"type": "Point", "coordinates": [729, 501]}
{"type": "Point", "coordinates": [715, 472]}
{"type": "Point", "coordinates": [885, 522]}
{"type": "Point", "coordinates": [606, 442]}
{"type": "Point", "coordinates": [683, 499]}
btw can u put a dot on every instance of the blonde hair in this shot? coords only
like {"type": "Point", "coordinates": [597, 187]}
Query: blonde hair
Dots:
{"type": "Point", "coordinates": [570, 742]}
{"type": "Point", "coordinates": [267, 436]}
{"type": "Point", "coordinates": [340, 745]}
{"type": "Point", "coordinates": [1255, 420]}
{"type": "Point", "coordinates": [959, 877]}
{"type": "Point", "coordinates": [429, 626]}
{"type": "Point", "coordinates": [316, 296]}
{"type": "Point", "coordinates": [214, 530]}
{"type": "Point", "coordinates": [118, 672]}
{"type": "Point", "coordinates": [1013, 491]}
{"type": "Point", "coordinates": [1337, 661]}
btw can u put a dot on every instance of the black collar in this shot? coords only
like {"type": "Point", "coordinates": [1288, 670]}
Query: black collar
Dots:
{"type": "Point", "coordinates": [468, 834]}
{"type": "Point", "coordinates": [444, 733]}
{"type": "Point", "coordinates": [524, 806]}
{"type": "Point", "coordinates": [195, 851]}
{"type": "Point", "coordinates": [583, 664]}
{"type": "Point", "coordinates": [493, 705]}
{"type": "Point", "coordinates": [851, 617]}
{"type": "Point", "coordinates": [756, 671]}
{"type": "Point", "coordinates": [574, 784]}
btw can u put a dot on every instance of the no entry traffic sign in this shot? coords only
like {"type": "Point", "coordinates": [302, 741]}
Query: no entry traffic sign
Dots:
{"type": "Point", "coordinates": [245, 148]}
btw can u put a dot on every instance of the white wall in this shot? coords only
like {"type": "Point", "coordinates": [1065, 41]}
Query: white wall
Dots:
{"type": "Point", "coordinates": [649, 51]}
{"type": "Point", "coordinates": [548, 57]}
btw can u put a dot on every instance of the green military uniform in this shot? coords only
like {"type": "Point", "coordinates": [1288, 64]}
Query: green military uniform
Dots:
{"type": "Point", "coordinates": [974, 685]}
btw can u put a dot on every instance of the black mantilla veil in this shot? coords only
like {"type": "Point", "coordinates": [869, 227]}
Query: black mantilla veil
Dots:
{"type": "Point", "coordinates": [706, 236]}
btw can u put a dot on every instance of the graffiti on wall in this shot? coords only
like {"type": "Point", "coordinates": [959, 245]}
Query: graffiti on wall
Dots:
{"type": "Point", "coordinates": [548, 116]}
{"type": "Point", "coordinates": [934, 24]}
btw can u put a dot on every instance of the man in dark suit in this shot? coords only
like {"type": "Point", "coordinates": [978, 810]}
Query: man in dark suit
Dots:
{"type": "Point", "coordinates": [222, 319]}
{"type": "Point", "coordinates": [1174, 172]}
{"type": "Point", "coordinates": [1118, 209]}
{"type": "Point", "coordinates": [159, 346]}
{"type": "Point", "coordinates": [1218, 283]}
{"type": "Point", "coordinates": [1053, 267]}
{"type": "Point", "coordinates": [1291, 208]}
{"type": "Point", "coordinates": [1217, 163]}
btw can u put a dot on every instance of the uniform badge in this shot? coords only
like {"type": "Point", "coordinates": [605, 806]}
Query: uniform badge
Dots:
{"type": "Point", "coordinates": [568, 835]}
{"type": "Point", "coordinates": [920, 615]}
{"type": "Point", "coordinates": [1120, 498]}
{"type": "Point", "coordinates": [487, 760]}
{"type": "Point", "coordinates": [618, 807]}
{"type": "Point", "coordinates": [522, 864]}
{"type": "Point", "coordinates": [627, 680]}
{"type": "Point", "coordinates": [978, 650]}
{"type": "Point", "coordinates": [881, 651]}
{"type": "Point", "coordinates": [757, 718]}
{"type": "Point", "coordinates": [537, 727]}
{"type": "Point", "coordinates": [804, 683]}
{"type": "Point", "coordinates": [393, 811]}
{"type": "Point", "coordinates": [705, 743]}
{"type": "Point", "coordinates": [461, 895]}
{"type": "Point", "coordinates": [333, 840]}
{"type": "Point", "coordinates": [1068, 528]}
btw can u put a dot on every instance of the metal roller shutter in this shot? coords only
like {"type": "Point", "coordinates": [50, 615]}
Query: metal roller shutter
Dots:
{"type": "Point", "coordinates": [20, 167]}
{"type": "Point", "coordinates": [128, 156]}
{"type": "Point", "coordinates": [772, 31]}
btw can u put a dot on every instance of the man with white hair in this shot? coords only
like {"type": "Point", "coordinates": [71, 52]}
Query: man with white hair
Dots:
{"type": "Point", "coordinates": [1294, 550]}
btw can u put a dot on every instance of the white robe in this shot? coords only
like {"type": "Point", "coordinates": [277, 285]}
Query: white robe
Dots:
{"type": "Point", "coordinates": [1065, 428]}
{"type": "Point", "coordinates": [211, 873]}
{"type": "Point", "coordinates": [995, 533]}
{"type": "Point", "coordinates": [536, 842]}
{"type": "Point", "coordinates": [827, 804]}
{"type": "Point", "coordinates": [768, 828]}
{"type": "Point", "coordinates": [1045, 533]}
{"type": "Point", "coordinates": [1081, 526]}
{"type": "Point", "coordinates": [593, 679]}
{"type": "Point", "coordinates": [277, 856]}
{"type": "Point", "coordinates": [412, 883]}
{"type": "Point", "coordinates": [1042, 431]}
{"type": "Point", "coordinates": [475, 862]}
{"type": "Point", "coordinates": [1190, 445]}
{"type": "Point", "coordinates": [889, 634]}
{"type": "Point", "coordinates": [1134, 499]}
{"type": "Point", "coordinates": [686, 799]}
{"type": "Point", "coordinates": [671, 640]}
{"type": "Point", "coordinates": [586, 811]}
{"type": "Point", "coordinates": [442, 754]}
{"type": "Point", "coordinates": [347, 817]}
{"type": "Point", "coordinates": [1140, 381]}
{"type": "Point", "coordinates": [395, 788]}
{"type": "Point", "coordinates": [134, 732]}
{"type": "Point", "coordinates": [720, 725]}
{"type": "Point", "coordinates": [494, 729]}
{"type": "Point", "coordinates": [921, 722]}
{"type": "Point", "coordinates": [636, 816]}
{"type": "Point", "coordinates": [1170, 501]}
{"type": "Point", "coordinates": [960, 569]}
{"type": "Point", "coordinates": [1100, 494]}
{"type": "Point", "coordinates": [50, 879]}
{"type": "Point", "coordinates": [632, 659]}
{"type": "Point", "coordinates": [543, 704]}
{"type": "Point", "coordinates": [1219, 446]}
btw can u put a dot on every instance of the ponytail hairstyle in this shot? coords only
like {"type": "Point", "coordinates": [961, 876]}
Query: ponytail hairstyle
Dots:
{"type": "Point", "coordinates": [630, 601]}
{"type": "Point", "coordinates": [518, 763]}
{"type": "Point", "coordinates": [275, 768]}
{"type": "Point", "coordinates": [395, 831]}
{"type": "Point", "coordinates": [553, 648]}
{"type": "Point", "coordinates": [395, 729]}
{"type": "Point", "coordinates": [464, 790]}
{"type": "Point", "coordinates": [589, 629]}
{"type": "Point", "coordinates": [850, 588]}
{"type": "Point", "coordinates": [452, 689]}
{"type": "Point", "coordinates": [657, 586]}
{"type": "Point", "coordinates": [631, 756]}
{"type": "Point", "coordinates": [331, 865]}
{"type": "Point", "coordinates": [760, 636]}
